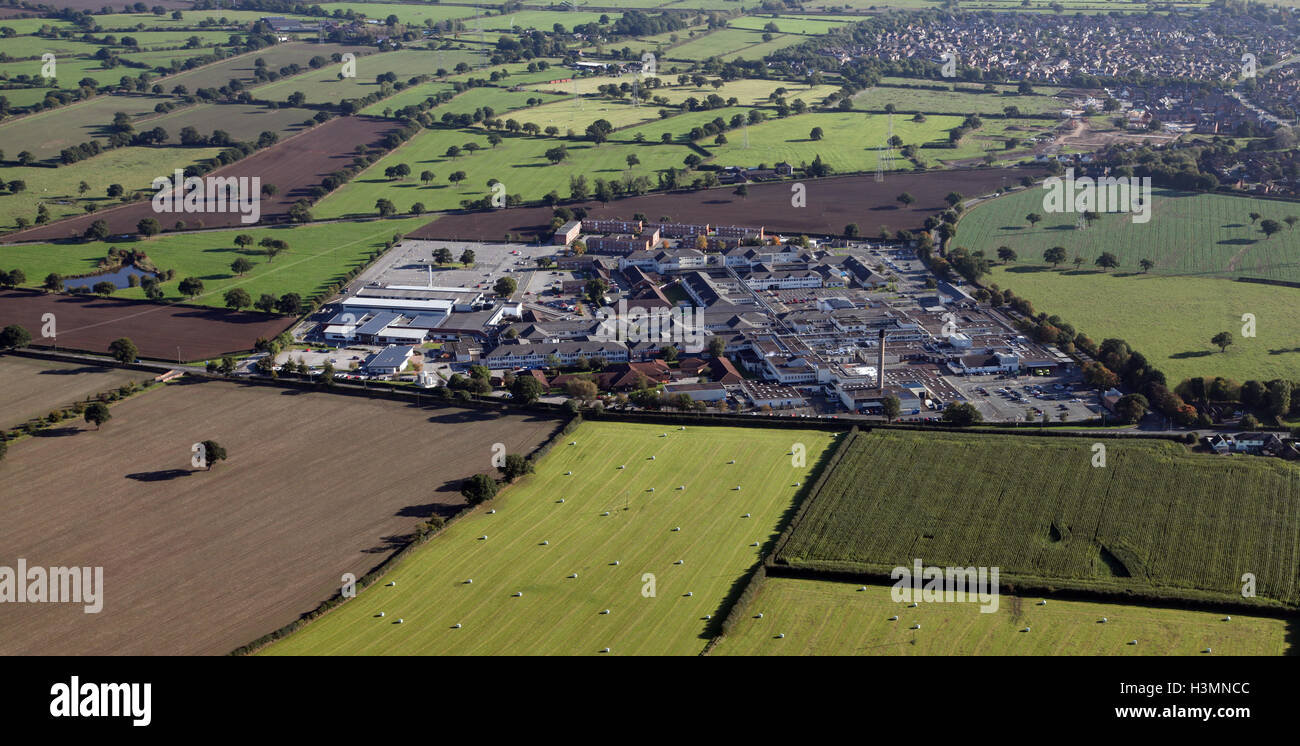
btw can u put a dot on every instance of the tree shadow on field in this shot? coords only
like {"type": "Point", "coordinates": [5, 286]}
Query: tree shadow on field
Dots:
{"type": "Point", "coordinates": [72, 371]}
{"type": "Point", "coordinates": [162, 475]}
{"type": "Point", "coordinates": [390, 544]}
{"type": "Point", "coordinates": [458, 416]}
{"type": "Point", "coordinates": [429, 510]}
{"type": "Point", "coordinates": [56, 432]}
{"type": "Point", "coordinates": [1028, 268]}
{"type": "Point", "coordinates": [1237, 241]}
{"type": "Point", "coordinates": [1292, 637]}
{"type": "Point", "coordinates": [1191, 354]}
{"type": "Point", "coordinates": [1284, 351]}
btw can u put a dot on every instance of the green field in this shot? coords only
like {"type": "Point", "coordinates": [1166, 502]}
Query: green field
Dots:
{"type": "Point", "coordinates": [561, 615]}
{"type": "Point", "coordinates": [1155, 520]}
{"type": "Point", "coordinates": [58, 188]}
{"type": "Point", "coordinates": [730, 44]}
{"type": "Point", "coordinates": [324, 86]}
{"type": "Point", "coordinates": [828, 618]}
{"type": "Point", "coordinates": [1201, 235]}
{"type": "Point", "coordinates": [963, 102]}
{"type": "Point", "coordinates": [519, 163]}
{"type": "Point", "coordinates": [852, 141]}
{"type": "Point", "coordinates": [1170, 320]}
{"type": "Point", "coordinates": [318, 255]}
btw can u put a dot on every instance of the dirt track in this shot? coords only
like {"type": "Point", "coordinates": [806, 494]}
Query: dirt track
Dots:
{"type": "Point", "coordinates": [293, 166]}
{"type": "Point", "coordinates": [201, 562]}
{"type": "Point", "coordinates": [90, 323]}
{"type": "Point", "coordinates": [831, 204]}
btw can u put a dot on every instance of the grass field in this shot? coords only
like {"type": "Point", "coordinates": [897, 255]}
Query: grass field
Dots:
{"type": "Point", "coordinates": [561, 615]}
{"type": "Point", "coordinates": [1202, 235]}
{"type": "Point", "coordinates": [406, 12]}
{"type": "Point", "coordinates": [324, 86]}
{"type": "Point", "coordinates": [246, 547]}
{"type": "Point", "coordinates": [1154, 520]}
{"type": "Point", "coordinates": [828, 618]}
{"type": "Point", "coordinates": [911, 100]}
{"type": "Point", "coordinates": [518, 162]}
{"type": "Point", "coordinates": [730, 44]}
{"type": "Point", "coordinates": [1170, 320]}
{"type": "Point", "coordinates": [853, 141]}
{"type": "Point", "coordinates": [35, 387]}
{"type": "Point", "coordinates": [318, 255]}
{"type": "Point", "coordinates": [58, 188]}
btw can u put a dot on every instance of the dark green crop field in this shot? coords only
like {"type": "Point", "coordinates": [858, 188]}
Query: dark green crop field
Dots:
{"type": "Point", "coordinates": [1156, 520]}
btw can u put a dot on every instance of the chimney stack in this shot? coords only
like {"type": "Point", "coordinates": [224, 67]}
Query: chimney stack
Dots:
{"type": "Point", "coordinates": [880, 362]}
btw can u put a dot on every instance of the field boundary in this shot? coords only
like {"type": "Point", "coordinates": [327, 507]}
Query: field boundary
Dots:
{"type": "Point", "coordinates": [419, 538]}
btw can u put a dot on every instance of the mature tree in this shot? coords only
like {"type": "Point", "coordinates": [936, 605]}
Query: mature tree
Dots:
{"type": "Point", "coordinates": [514, 467]}
{"type": "Point", "coordinates": [583, 389]}
{"type": "Point", "coordinates": [717, 346]}
{"type": "Point", "coordinates": [123, 350]}
{"type": "Point", "coordinates": [1033, 218]}
{"type": "Point", "coordinates": [467, 257]}
{"type": "Point", "coordinates": [98, 231]}
{"type": "Point", "coordinates": [526, 389]}
{"type": "Point", "coordinates": [14, 336]}
{"type": "Point", "coordinates": [265, 303]}
{"type": "Point", "coordinates": [1107, 260]}
{"type": "Point", "coordinates": [1221, 340]}
{"type": "Point", "coordinates": [892, 406]}
{"type": "Point", "coordinates": [506, 287]}
{"type": "Point", "coordinates": [104, 288]}
{"type": "Point", "coordinates": [1132, 407]}
{"type": "Point", "coordinates": [191, 287]}
{"type": "Point", "coordinates": [595, 289]}
{"type": "Point", "coordinates": [1099, 376]}
{"type": "Point", "coordinates": [97, 414]}
{"type": "Point", "coordinates": [1007, 254]}
{"type": "Point", "coordinates": [1146, 265]}
{"type": "Point", "coordinates": [212, 453]}
{"type": "Point", "coordinates": [289, 304]}
{"type": "Point", "coordinates": [238, 299]}
{"type": "Point", "coordinates": [962, 413]}
{"type": "Point", "coordinates": [478, 488]}
{"type": "Point", "coordinates": [240, 266]}
{"type": "Point", "coordinates": [815, 134]}
{"type": "Point", "coordinates": [1269, 227]}
{"type": "Point", "coordinates": [1054, 255]}
{"type": "Point", "coordinates": [148, 227]}
{"type": "Point", "coordinates": [905, 199]}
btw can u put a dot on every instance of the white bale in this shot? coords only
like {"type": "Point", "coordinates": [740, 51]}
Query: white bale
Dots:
{"type": "Point", "coordinates": [615, 562]}
{"type": "Point", "coordinates": [652, 458]}
{"type": "Point", "coordinates": [916, 626]}
{"type": "Point", "coordinates": [546, 543]}
{"type": "Point", "coordinates": [1209, 650]}
{"type": "Point", "coordinates": [469, 580]}
{"type": "Point", "coordinates": [573, 442]}
{"type": "Point", "coordinates": [1227, 619]}
{"type": "Point", "coordinates": [392, 583]}
{"type": "Point", "coordinates": [1104, 620]}
{"type": "Point", "coordinates": [683, 427]}
{"type": "Point", "coordinates": [863, 588]}
{"type": "Point", "coordinates": [1132, 642]}
{"type": "Point", "coordinates": [483, 537]}
{"type": "Point", "coordinates": [574, 575]}
{"type": "Point", "coordinates": [604, 650]}
{"type": "Point", "coordinates": [605, 513]}
{"type": "Point", "coordinates": [652, 489]}
{"type": "Point", "coordinates": [606, 611]}
{"type": "Point", "coordinates": [747, 515]}
{"type": "Point", "coordinates": [754, 544]}
{"type": "Point", "coordinates": [678, 562]}
{"type": "Point", "coordinates": [760, 615]}
{"type": "Point", "coordinates": [732, 461]}
{"type": "Point", "coordinates": [622, 466]}
{"type": "Point", "coordinates": [518, 594]}
{"type": "Point", "coordinates": [1043, 602]}
{"type": "Point", "coordinates": [681, 486]}
{"type": "Point", "coordinates": [780, 636]}
{"type": "Point", "coordinates": [568, 473]}
{"type": "Point", "coordinates": [690, 593]}
{"type": "Point", "coordinates": [401, 621]}
{"type": "Point", "coordinates": [380, 614]}
{"type": "Point", "coordinates": [492, 511]}
{"type": "Point", "coordinates": [456, 625]}
{"type": "Point", "coordinates": [677, 528]}
{"type": "Point", "coordinates": [1026, 629]}
{"type": "Point", "coordinates": [912, 605]}
{"type": "Point", "coordinates": [894, 618]}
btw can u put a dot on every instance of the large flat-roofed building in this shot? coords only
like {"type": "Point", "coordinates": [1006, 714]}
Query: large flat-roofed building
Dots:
{"type": "Point", "coordinates": [738, 231]}
{"type": "Point", "coordinates": [535, 355]}
{"type": "Point", "coordinates": [567, 233]}
{"type": "Point", "coordinates": [462, 299]}
{"type": "Point", "coordinates": [680, 230]}
{"type": "Point", "coordinates": [359, 306]}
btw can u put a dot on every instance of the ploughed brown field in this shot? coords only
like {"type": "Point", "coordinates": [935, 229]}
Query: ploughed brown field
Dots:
{"type": "Point", "coordinates": [32, 387]}
{"type": "Point", "coordinates": [293, 165]}
{"type": "Point", "coordinates": [200, 562]}
{"type": "Point", "coordinates": [831, 204]}
{"type": "Point", "coordinates": [89, 323]}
